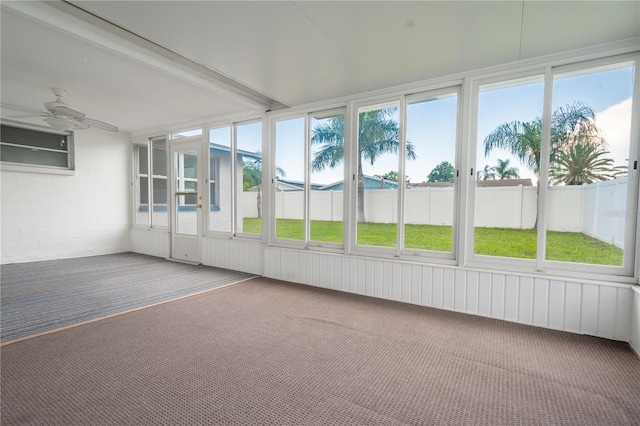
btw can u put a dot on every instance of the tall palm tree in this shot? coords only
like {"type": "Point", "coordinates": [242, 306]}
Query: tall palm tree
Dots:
{"type": "Point", "coordinates": [488, 173]}
{"type": "Point", "coordinates": [504, 171]}
{"type": "Point", "coordinates": [378, 134]}
{"type": "Point", "coordinates": [570, 125]}
{"type": "Point", "coordinates": [581, 164]}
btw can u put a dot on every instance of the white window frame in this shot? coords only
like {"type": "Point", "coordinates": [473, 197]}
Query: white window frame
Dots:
{"type": "Point", "coordinates": [306, 241]}
{"type": "Point", "coordinates": [235, 196]}
{"type": "Point", "coordinates": [148, 142]}
{"type": "Point", "coordinates": [39, 168]}
{"type": "Point", "coordinates": [445, 257]}
{"type": "Point", "coordinates": [374, 104]}
{"type": "Point", "coordinates": [624, 273]}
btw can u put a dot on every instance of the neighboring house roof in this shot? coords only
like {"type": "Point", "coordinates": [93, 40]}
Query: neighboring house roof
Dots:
{"type": "Point", "coordinates": [295, 185]}
{"type": "Point", "coordinates": [370, 182]}
{"type": "Point", "coordinates": [225, 150]}
{"type": "Point", "coordinates": [503, 182]}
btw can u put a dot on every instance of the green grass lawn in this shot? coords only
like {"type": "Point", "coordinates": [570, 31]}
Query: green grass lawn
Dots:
{"type": "Point", "coordinates": [506, 242]}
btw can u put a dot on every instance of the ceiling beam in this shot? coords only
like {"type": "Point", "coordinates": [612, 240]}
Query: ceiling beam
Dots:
{"type": "Point", "coordinates": [68, 18]}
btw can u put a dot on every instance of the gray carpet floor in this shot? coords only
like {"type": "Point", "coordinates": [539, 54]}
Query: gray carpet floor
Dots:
{"type": "Point", "coordinates": [264, 352]}
{"type": "Point", "coordinates": [40, 296]}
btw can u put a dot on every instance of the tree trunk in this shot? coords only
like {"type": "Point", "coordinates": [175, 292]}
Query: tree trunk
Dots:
{"type": "Point", "coordinates": [360, 200]}
{"type": "Point", "coordinates": [259, 201]}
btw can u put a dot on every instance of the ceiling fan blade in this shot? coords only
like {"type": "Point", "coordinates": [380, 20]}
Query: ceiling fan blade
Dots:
{"type": "Point", "coordinates": [99, 124]}
{"type": "Point", "coordinates": [78, 124]}
{"type": "Point", "coordinates": [64, 110]}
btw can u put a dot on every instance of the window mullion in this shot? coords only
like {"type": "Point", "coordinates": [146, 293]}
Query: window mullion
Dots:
{"type": "Point", "coordinates": [543, 173]}
{"type": "Point", "coordinates": [306, 214]}
{"type": "Point", "coordinates": [233, 165]}
{"type": "Point", "coordinates": [402, 158]}
{"type": "Point", "coordinates": [150, 181]}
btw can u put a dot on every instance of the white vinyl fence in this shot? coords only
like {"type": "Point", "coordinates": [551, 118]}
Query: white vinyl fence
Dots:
{"type": "Point", "coordinates": [597, 210]}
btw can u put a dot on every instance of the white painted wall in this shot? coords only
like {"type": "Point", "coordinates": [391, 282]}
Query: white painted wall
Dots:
{"type": "Point", "coordinates": [48, 216]}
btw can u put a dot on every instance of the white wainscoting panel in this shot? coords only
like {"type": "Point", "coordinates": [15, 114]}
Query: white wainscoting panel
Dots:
{"type": "Point", "coordinates": [598, 309]}
{"type": "Point", "coordinates": [635, 320]}
{"type": "Point", "coordinates": [150, 241]}
{"type": "Point", "coordinates": [236, 254]}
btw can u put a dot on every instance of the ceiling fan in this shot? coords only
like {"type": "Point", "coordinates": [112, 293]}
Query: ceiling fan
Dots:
{"type": "Point", "coordinates": [61, 117]}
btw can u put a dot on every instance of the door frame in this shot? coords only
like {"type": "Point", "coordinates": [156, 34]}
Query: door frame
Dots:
{"type": "Point", "coordinates": [185, 247]}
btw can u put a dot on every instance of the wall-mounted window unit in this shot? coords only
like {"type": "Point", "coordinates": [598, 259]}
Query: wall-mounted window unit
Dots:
{"type": "Point", "coordinates": [37, 149]}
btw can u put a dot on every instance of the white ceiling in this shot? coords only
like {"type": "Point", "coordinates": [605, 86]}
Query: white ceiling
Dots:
{"type": "Point", "coordinates": [251, 56]}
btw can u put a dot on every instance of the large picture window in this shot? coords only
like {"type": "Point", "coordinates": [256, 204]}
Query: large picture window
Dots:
{"type": "Point", "coordinates": [550, 173]}
{"type": "Point", "coordinates": [556, 171]}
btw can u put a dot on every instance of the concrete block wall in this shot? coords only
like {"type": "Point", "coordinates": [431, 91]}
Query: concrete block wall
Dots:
{"type": "Point", "coordinates": [51, 216]}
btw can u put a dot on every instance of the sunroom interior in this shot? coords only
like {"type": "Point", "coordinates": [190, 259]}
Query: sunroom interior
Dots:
{"type": "Point", "coordinates": [386, 149]}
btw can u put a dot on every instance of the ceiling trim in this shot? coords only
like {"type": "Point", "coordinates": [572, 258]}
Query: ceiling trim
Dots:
{"type": "Point", "coordinates": [71, 19]}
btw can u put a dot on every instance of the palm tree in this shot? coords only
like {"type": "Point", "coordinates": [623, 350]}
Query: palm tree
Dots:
{"type": "Point", "coordinates": [488, 173]}
{"type": "Point", "coordinates": [252, 178]}
{"type": "Point", "coordinates": [378, 134]}
{"type": "Point", "coordinates": [581, 164]}
{"type": "Point", "coordinates": [503, 171]}
{"type": "Point", "coordinates": [570, 125]}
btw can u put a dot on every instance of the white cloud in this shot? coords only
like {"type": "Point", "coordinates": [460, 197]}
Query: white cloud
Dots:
{"type": "Point", "coordinates": [615, 123]}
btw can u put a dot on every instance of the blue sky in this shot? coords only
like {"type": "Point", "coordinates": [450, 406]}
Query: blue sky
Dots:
{"type": "Point", "coordinates": [431, 124]}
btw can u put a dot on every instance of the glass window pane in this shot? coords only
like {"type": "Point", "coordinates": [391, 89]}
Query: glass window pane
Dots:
{"type": "Point", "coordinates": [377, 175]}
{"type": "Point", "coordinates": [289, 172]}
{"type": "Point", "coordinates": [588, 183]}
{"type": "Point", "coordinates": [220, 208]}
{"type": "Point", "coordinates": [507, 168]}
{"type": "Point", "coordinates": [160, 214]}
{"type": "Point", "coordinates": [185, 166]}
{"type": "Point", "coordinates": [326, 178]}
{"type": "Point", "coordinates": [430, 169]}
{"type": "Point", "coordinates": [249, 178]}
{"type": "Point", "coordinates": [141, 188]}
{"type": "Point", "coordinates": [27, 155]}
{"type": "Point", "coordinates": [33, 138]}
